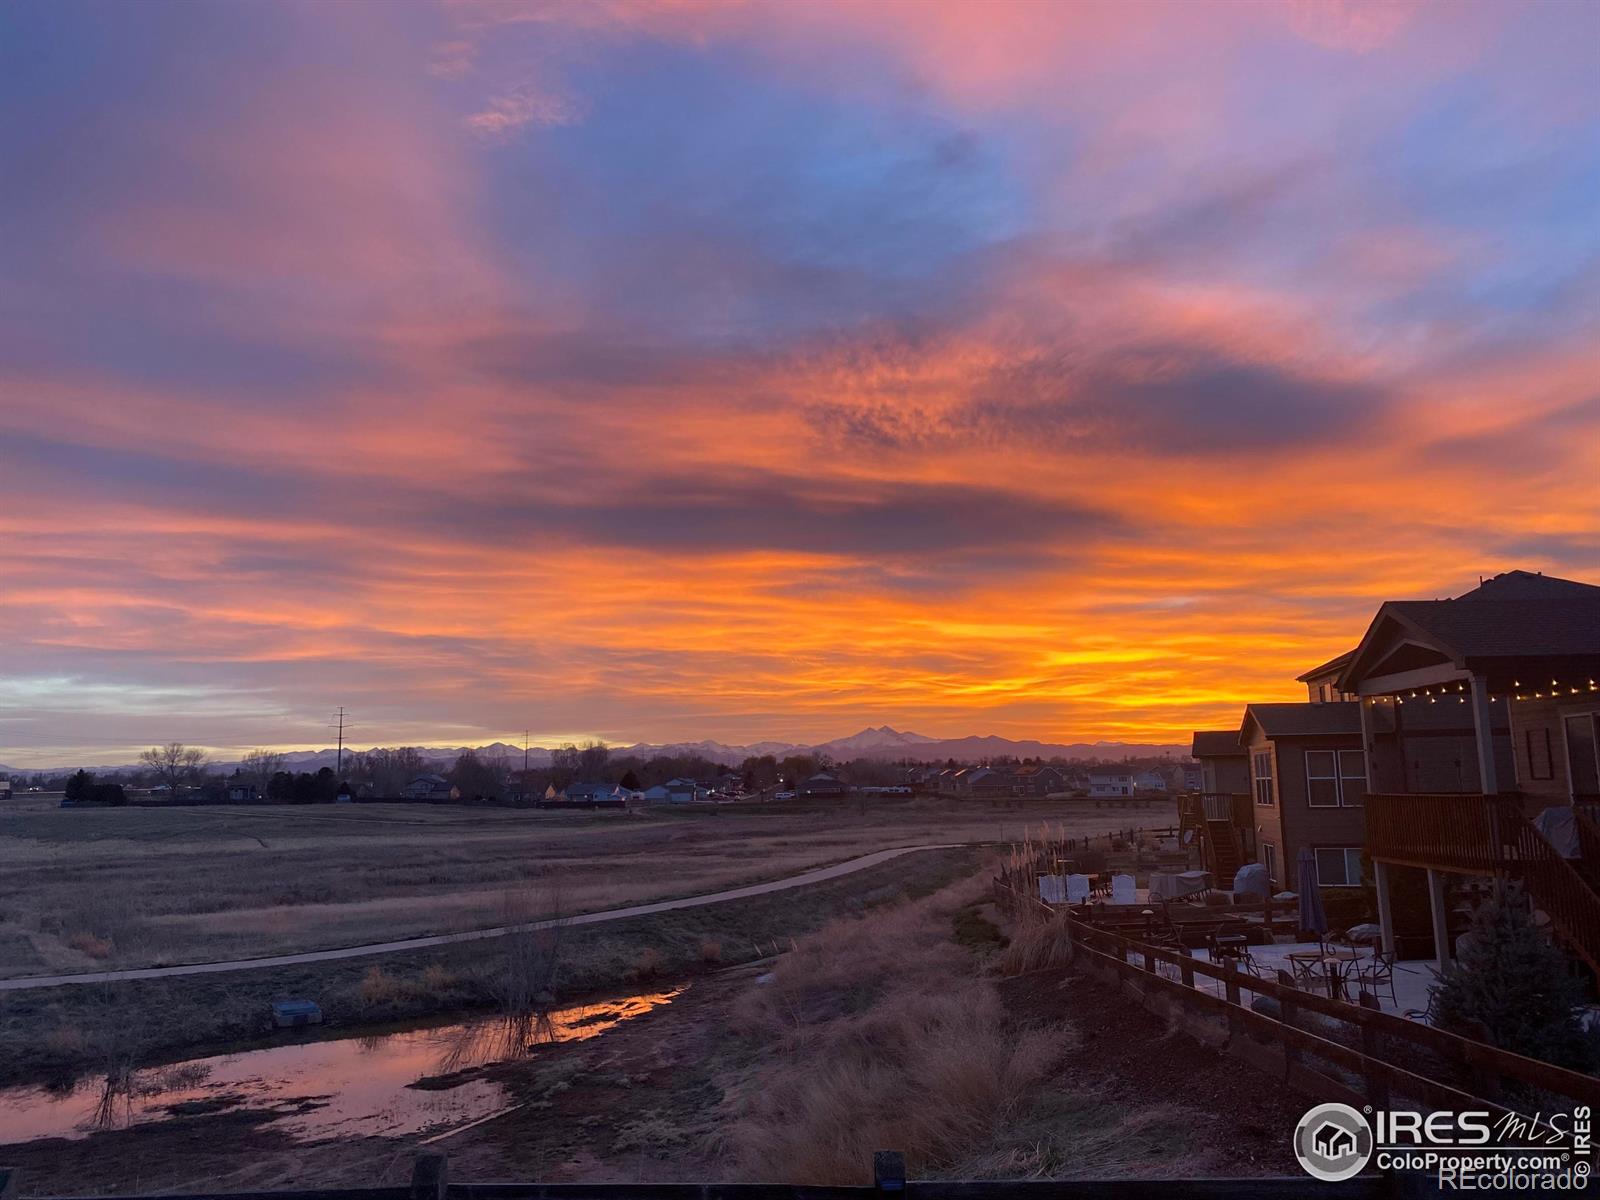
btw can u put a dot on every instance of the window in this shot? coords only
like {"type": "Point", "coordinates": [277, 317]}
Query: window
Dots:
{"type": "Point", "coordinates": [1261, 771]}
{"type": "Point", "coordinates": [1352, 778]}
{"type": "Point", "coordinates": [1322, 779]}
{"type": "Point", "coordinates": [1339, 866]}
{"type": "Point", "coordinates": [1541, 763]}
{"type": "Point", "coordinates": [1583, 757]}
{"type": "Point", "coordinates": [1269, 859]}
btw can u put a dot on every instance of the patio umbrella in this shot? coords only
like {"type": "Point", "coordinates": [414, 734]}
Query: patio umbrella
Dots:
{"type": "Point", "coordinates": [1312, 916]}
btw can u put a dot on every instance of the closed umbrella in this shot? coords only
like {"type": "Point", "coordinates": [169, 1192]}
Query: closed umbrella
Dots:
{"type": "Point", "coordinates": [1312, 915]}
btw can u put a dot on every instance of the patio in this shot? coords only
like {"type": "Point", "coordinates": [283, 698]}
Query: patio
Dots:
{"type": "Point", "coordinates": [1411, 979]}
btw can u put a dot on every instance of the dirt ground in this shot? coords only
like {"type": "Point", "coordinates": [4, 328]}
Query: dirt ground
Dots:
{"type": "Point", "coordinates": [1244, 1119]}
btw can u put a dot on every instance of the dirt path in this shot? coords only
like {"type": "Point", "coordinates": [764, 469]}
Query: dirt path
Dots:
{"type": "Point", "coordinates": [820, 875]}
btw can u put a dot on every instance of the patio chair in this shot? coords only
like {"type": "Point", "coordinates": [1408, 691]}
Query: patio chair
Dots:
{"type": "Point", "coordinates": [1377, 971]}
{"type": "Point", "coordinates": [1309, 971]}
{"type": "Point", "coordinates": [1222, 946]}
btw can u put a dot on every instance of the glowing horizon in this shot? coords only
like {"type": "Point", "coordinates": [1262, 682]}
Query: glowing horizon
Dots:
{"type": "Point", "coordinates": [761, 371]}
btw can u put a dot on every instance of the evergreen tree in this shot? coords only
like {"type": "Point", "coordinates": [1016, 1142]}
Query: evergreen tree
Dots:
{"type": "Point", "coordinates": [1512, 979]}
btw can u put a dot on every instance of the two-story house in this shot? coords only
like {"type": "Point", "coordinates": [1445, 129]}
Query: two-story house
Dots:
{"type": "Point", "coordinates": [1516, 661]}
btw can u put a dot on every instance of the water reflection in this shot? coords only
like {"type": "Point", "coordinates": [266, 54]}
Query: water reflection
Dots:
{"type": "Point", "coordinates": [387, 1085]}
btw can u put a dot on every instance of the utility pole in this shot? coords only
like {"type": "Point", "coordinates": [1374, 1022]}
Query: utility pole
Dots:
{"type": "Point", "coordinates": [339, 725]}
{"type": "Point", "coordinates": [524, 758]}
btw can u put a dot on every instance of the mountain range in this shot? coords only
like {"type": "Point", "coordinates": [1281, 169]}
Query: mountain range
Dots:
{"type": "Point", "coordinates": [882, 742]}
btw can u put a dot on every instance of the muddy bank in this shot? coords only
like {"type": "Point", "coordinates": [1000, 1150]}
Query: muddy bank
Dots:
{"type": "Point", "coordinates": [404, 1083]}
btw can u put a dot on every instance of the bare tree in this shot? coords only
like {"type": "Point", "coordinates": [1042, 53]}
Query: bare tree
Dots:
{"type": "Point", "coordinates": [592, 760]}
{"type": "Point", "coordinates": [260, 766]}
{"type": "Point", "coordinates": [175, 763]}
{"type": "Point", "coordinates": [392, 769]}
{"type": "Point", "coordinates": [532, 946]}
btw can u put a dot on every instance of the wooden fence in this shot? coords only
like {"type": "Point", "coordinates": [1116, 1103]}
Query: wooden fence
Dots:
{"type": "Point", "coordinates": [1165, 980]}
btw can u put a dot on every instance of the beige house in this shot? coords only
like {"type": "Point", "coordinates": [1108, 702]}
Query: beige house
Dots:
{"type": "Point", "coordinates": [1480, 716]}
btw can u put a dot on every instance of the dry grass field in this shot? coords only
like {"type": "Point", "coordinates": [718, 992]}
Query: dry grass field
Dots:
{"type": "Point", "coordinates": [86, 888]}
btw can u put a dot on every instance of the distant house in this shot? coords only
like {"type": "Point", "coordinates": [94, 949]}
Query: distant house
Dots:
{"type": "Point", "coordinates": [683, 791]}
{"type": "Point", "coordinates": [242, 791]}
{"type": "Point", "coordinates": [1224, 766]}
{"type": "Point", "coordinates": [822, 784]}
{"type": "Point", "coordinates": [345, 795]}
{"type": "Point", "coordinates": [1039, 781]}
{"type": "Point", "coordinates": [1192, 777]}
{"type": "Point", "coordinates": [588, 793]}
{"type": "Point", "coordinates": [966, 779]}
{"type": "Point", "coordinates": [1308, 777]}
{"type": "Point", "coordinates": [431, 787]}
{"type": "Point", "coordinates": [1109, 783]}
{"type": "Point", "coordinates": [1222, 816]}
{"type": "Point", "coordinates": [1322, 683]}
{"type": "Point", "coordinates": [1150, 781]}
{"type": "Point", "coordinates": [991, 783]}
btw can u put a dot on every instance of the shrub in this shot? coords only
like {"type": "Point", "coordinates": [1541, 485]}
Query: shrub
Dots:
{"type": "Point", "coordinates": [436, 978]}
{"type": "Point", "coordinates": [88, 943]}
{"type": "Point", "coordinates": [378, 987]}
{"type": "Point", "coordinates": [1038, 946]}
{"type": "Point", "coordinates": [646, 964]}
{"type": "Point", "coordinates": [876, 1033]}
{"type": "Point", "coordinates": [1517, 985]}
{"type": "Point", "coordinates": [710, 952]}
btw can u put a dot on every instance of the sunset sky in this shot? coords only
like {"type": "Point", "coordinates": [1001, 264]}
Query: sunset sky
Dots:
{"type": "Point", "coordinates": [691, 369]}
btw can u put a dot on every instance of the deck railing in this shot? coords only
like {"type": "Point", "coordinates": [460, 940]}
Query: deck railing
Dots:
{"type": "Point", "coordinates": [1487, 835]}
{"type": "Point", "coordinates": [1456, 832]}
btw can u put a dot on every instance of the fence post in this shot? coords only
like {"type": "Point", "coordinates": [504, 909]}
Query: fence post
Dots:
{"type": "Point", "coordinates": [1289, 1014]}
{"type": "Point", "coordinates": [888, 1171]}
{"type": "Point", "coordinates": [1230, 983]}
{"type": "Point", "coordinates": [429, 1176]}
{"type": "Point", "coordinates": [1186, 967]}
{"type": "Point", "coordinates": [1372, 1047]}
{"type": "Point", "coordinates": [1485, 1082]}
{"type": "Point", "coordinates": [8, 1183]}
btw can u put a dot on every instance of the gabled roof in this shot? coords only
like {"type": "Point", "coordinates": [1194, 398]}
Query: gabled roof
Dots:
{"type": "Point", "coordinates": [1327, 668]}
{"type": "Point", "coordinates": [1216, 743]}
{"type": "Point", "coordinates": [1507, 626]}
{"type": "Point", "coordinates": [1302, 720]}
{"type": "Point", "coordinates": [1530, 585]}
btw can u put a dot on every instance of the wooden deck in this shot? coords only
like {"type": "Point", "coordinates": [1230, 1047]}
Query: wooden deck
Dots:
{"type": "Point", "coordinates": [1474, 834]}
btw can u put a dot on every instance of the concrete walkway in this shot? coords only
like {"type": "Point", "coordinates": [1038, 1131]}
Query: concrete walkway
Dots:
{"type": "Point", "coordinates": [820, 875]}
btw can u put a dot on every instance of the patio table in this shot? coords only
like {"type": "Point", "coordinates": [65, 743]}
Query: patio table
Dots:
{"type": "Point", "coordinates": [1334, 963]}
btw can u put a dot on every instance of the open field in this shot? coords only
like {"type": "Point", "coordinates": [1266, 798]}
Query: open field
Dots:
{"type": "Point", "coordinates": [82, 889]}
{"type": "Point", "coordinates": [903, 1022]}
{"type": "Point", "coordinates": [54, 1035]}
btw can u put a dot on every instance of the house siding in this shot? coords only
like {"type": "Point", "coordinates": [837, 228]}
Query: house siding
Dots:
{"type": "Point", "coordinates": [1544, 720]}
{"type": "Point", "coordinates": [1292, 824]}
